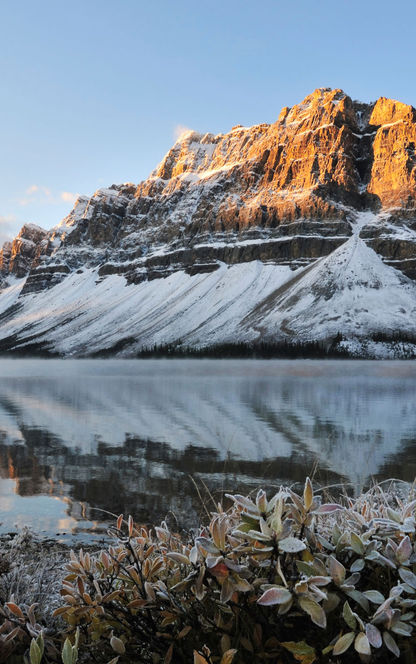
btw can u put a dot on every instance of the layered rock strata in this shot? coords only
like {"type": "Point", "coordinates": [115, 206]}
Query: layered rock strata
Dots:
{"type": "Point", "coordinates": [286, 194]}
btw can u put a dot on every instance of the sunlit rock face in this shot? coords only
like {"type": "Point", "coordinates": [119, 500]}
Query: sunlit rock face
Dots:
{"type": "Point", "coordinates": [285, 194]}
{"type": "Point", "coordinates": [28, 248]}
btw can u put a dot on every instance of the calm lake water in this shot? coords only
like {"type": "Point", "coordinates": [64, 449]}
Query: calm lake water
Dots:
{"type": "Point", "coordinates": [155, 437]}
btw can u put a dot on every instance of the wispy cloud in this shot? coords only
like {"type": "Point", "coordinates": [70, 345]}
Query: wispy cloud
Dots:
{"type": "Point", "coordinates": [8, 224]}
{"type": "Point", "coordinates": [180, 131]}
{"type": "Point", "coordinates": [68, 196]}
{"type": "Point", "coordinates": [39, 194]}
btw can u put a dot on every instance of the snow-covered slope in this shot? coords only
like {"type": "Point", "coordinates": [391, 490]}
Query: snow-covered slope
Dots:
{"type": "Point", "coordinates": [350, 292]}
{"type": "Point", "coordinates": [299, 231]}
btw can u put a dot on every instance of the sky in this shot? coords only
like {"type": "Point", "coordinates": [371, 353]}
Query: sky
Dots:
{"type": "Point", "coordinates": [94, 92]}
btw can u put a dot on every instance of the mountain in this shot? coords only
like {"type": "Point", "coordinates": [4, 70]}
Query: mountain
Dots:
{"type": "Point", "coordinates": [303, 230]}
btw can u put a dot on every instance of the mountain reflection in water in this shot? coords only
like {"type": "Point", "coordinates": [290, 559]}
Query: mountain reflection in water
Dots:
{"type": "Point", "coordinates": [137, 435]}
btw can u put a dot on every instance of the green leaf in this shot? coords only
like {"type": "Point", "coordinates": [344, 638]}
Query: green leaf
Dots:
{"type": "Point", "coordinates": [362, 644]}
{"type": "Point", "coordinates": [401, 628]}
{"type": "Point", "coordinates": [374, 596]}
{"type": "Point", "coordinates": [357, 544]}
{"type": "Point", "coordinates": [314, 610]}
{"type": "Point", "coordinates": [67, 652]}
{"type": "Point", "coordinates": [357, 565]}
{"type": "Point", "coordinates": [35, 653]}
{"type": "Point", "coordinates": [407, 576]}
{"type": "Point", "coordinates": [343, 643]}
{"type": "Point", "coordinates": [349, 616]}
{"type": "Point", "coordinates": [301, 651]}
{"type": "Point", "coordinates": [391, 644]}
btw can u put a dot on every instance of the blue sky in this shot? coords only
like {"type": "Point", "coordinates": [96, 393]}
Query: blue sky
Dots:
{"type": "Point", "coordinates": [92, 92]}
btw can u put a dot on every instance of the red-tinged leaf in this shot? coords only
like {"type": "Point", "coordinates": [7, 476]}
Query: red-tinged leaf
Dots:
{"type": "Point", "coordinates": [373, 635]}
{"type": "Point", "coordinates": [337, 570]}
{"type": "Point", "coordinates": [328, 508]}
{"type": "Point", "coordinates": [228, 656]}
{"type": "Point", "coordinates": [184, 632]}
{"type": "Point", "coordinates": [199, 659]}
{"type": "Point", "coordinates": [13, 608]}
{"type": "Point", "coordinates": [272, 596]}
{"type": "Point", "coordinates": [130, 525]}
{"type": "Point", "coordinates": [81, 587]}
{"type": "Point", "coordinates": [320, 580]}
{"type": "Point", "coordinates": [404, 550]}
{"type": "Point", "coordinates": [169, 653]}
{"type": "Point", "coordinates": [119, 522]}
{"type": "Point", "coordinates": [15, 632]}
{"type": "Point", "coordinates": [227, 590]}
{"type": "Point", "coordinates": [220, 570]}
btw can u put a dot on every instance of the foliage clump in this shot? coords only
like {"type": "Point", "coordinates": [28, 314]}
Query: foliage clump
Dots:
{"type": "Point", "coordinates": [280, 579]}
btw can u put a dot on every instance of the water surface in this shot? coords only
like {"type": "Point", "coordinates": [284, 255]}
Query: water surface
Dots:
{"type": "Point", "coordinates": [157, 437]}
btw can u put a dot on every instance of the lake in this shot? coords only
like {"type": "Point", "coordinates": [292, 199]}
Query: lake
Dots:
{"type": "Point", "coordinates": [81, 438]}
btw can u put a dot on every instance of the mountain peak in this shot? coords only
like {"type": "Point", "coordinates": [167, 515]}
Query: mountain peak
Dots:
{"type": "Point", "coordinates": [329, 188]}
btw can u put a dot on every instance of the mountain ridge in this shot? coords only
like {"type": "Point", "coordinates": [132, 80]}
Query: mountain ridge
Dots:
{"type": "Point", "coordinates": [284, 195]}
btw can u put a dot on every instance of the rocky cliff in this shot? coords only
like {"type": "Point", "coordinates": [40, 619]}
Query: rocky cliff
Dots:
{"type": "Point", "coordinates": [275, 197]}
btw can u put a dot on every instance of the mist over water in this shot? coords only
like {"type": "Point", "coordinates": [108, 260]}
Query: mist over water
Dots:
{"type": "Point", "coordinates": [149, 436]}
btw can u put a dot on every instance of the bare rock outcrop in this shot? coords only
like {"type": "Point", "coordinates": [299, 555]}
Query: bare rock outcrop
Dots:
{"type": "Point", "coordinates": [287, 192]}
{"type": "Point", "coordinates": [25, 252]}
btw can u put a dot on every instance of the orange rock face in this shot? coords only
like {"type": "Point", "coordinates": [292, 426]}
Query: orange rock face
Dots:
{"type": "Point", "coordinates": [25, 251]}
{"type": "Point", "coordinates": [393, 173]}
{"type": "Point", "coordinates": [297, 182]}
{"type": "Point", "coordinates": [296, 167]}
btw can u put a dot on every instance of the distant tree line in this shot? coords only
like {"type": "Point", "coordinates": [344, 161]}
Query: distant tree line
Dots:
{"type": "Point", "coordinates": [262, 350]}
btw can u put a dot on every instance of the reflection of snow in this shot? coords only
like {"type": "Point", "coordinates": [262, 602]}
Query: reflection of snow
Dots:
{"type": "Point", "coordinates": [350, 416]}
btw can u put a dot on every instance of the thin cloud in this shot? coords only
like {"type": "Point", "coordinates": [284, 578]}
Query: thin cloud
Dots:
{"type": "Point", "coordinates": [68, 196]}
{"type": "Point", "coordinates": [39, 194]}
{"type": "Point", "coordinates": [32, 189]}
{"type": "Point", "coordinates": [180, 131]}
{"type": "Point", "coordinates": [8, 229]}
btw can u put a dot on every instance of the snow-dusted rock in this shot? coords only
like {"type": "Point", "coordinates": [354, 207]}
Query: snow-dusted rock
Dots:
{"type": "Point", "coordinates": [303, 229]}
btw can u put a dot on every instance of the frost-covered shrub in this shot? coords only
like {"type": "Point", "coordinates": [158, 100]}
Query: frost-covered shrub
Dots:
{"type": "Point", "coordinates": [278, 579]}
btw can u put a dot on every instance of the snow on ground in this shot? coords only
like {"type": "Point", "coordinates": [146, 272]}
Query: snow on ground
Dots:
{"type": "Point", "coordinates": [351, 292]}
{"type": "Point", "coordinates": [80, 315]}
{"type": "Point", "coordinates": [9, 295]}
